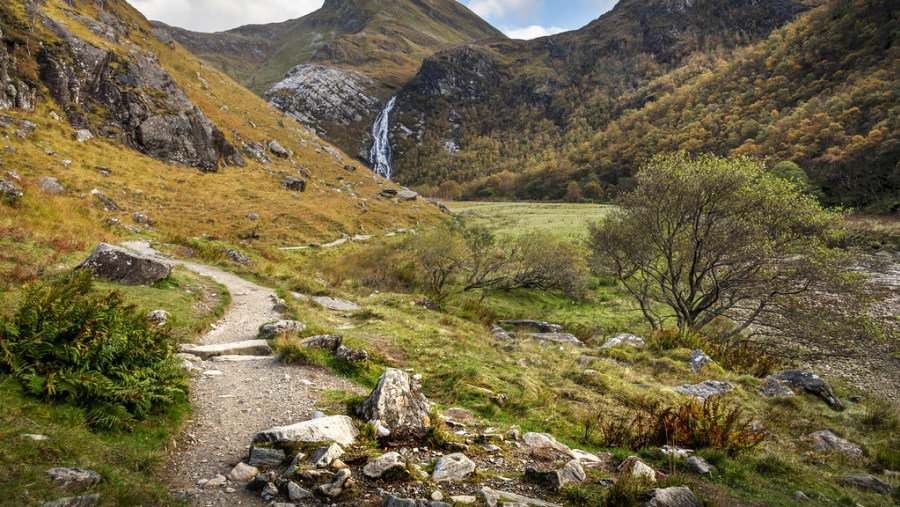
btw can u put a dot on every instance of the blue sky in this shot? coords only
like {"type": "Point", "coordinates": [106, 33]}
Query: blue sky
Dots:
{"type": "Point", "coordinates": [516, 18]}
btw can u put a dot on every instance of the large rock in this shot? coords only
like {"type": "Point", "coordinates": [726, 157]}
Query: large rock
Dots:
{"type": "Point", "coordinates": [826, 441]}
{"type": "Point", "coordinates": [699, 465]}
{"type": "Point", "coordinates": [453, 467]}
{"type": "Point", "coordinates": [244, 348]}
{"type": "Point", "coordinates": [75, 501]}
{"type": "Point", "coordinates": [634, 467]}
{"type": "Point", "coordinates": [399, 405]}
{"type": "Point", "coordinates": [386, 466]}
{"type": "Point", "coordinates": [337, 485]}
{"type": "Point", "coordinates": [567, 338]}
{"type": "Point", "coordinates": [294, 183]}
{"type": "Point", "coordinates": [125, 267]}
{"type": "Point", "coordinates": [328, 342]}
{"type": "Point", "coordinates": [336, 428]}
{"type": "Point", "coordinates": [811, 383]}
{"type": "Point", "coordinates": [242, 473]}
{"type": "Point", "coordinates": [571, 473]}
{"type": "Point", "coordinates": [278, 150]}
{"type": "Point", "coordinates": [263, 456]}
{"type": "Point", "coordinates": [704, 389]}
{"type": "Point", "coordinates": [269, 331]}
{"type": "Point", "coordinates": [338, 305]}
{"type": "Point", "coordinates": [9, 192]}
{"type": "Point", "coordinates": [51, 186]}
{"type": "Point", "coordinates": [73, 479]}
{"type": "Point", "coordinates": [624, 340]}
{"type": "Point", "coordinates": [699, 359]}
{"type": "Point", "coordinates": [681, 496]}
{"type": "Point", "coordinates": [536, 325]}
{"type": "Point", "coordinates": [774, 388]}
{"type": "Point", "coordinates": [323, 457]}
{"type": "Point", "coordinates": [867, 482]}
{"type": "Point", "coordinates": [493, 497]}
{"type": "Point", "coordinates": [544, 440]}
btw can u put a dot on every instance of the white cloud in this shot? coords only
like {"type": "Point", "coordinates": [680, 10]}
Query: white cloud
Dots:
{"type": "Point", "coordinates": [532, 32]}
{"type": "Point", "coordinates": [217, 15]}
{"type": "Point", "coordinates": [505, 9]}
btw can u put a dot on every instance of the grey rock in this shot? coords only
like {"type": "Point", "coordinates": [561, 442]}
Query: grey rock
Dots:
{"type": "Point", "coordinates": [567, 338]}
{"type": "Point", "coordinates": [324, 456]}
{"type": "Point", "coordinates": [269, 331]}
{"type": "Point", "coordinates": [253, 217]}
{"type": "Point", "coordinates": [294, 467]}
{"type": "Point", "coordinates": [699, 465]}
{"type": "Point", "coordinates": [327, 342]}
{"type": "Point", "coordinates": [125, 267]}
{"type": "Point", "coordinates": [453, 467]}
{"type": "Point", "coordinates": [571, 473]}
{"type": "Point", "coordinates": [407, 195]}
{"type": "Point", "coordinates": [82, 135]}
{"type": "Point", "coordinates": [634, 467]}
{"type": "Point", "coordinates": [704, 389]}
{"type": "Point", "coordinates": [398, 403]}
{"type": "Point", "coordinates": [393, 501]}
{"type": "Point", "coordinates": [337, 485]}
{"type": "Point", "coordinates": [237, 256]}
{"type": "Point", "coordinates": [34, 437]}
{"type": "Point", "coordinates": [349, 355]}
{"type": "Point", "coordinates": [492, 498]}
{"type": "Point", "coordinates": [624, 340]}
{"type": "Point", "coordinates": [256, 152]}
{"type": "Point", "coordinates": [671, 450]}
{"type": "Point", "coordinates": [215, 482]}
{"type": "Point", "coordinates": [699, 359]}
{"type": "Point", "coordinates": [536, 325]}
{"type": "Point", "coordinates": [812, 384]}
{"type": "Point", "coordinates": [75, 501]}
{"type": "Point", "coordinates": [160, 317]}
{"type": "Point", "coordinates": [244, 348]}
{"type": "Point", "coordinates": [586, 360]}
{"type": "Point", "coordinates": [867, 482]}
{"type": "Point", "coordinates": [680, 496]}
{"type": "Point", "coordinates": [296, 494]}
{"type": "Point", "coordinates": [242, 473]}
{"type": "Point", "coordinates": [800, 496]}
{"type": "Point", "coordinates": [336, 428]}
{"type": "Point", "coordinates": [106, 202]}
{"type": "Point", "coordinates": [261, 480]}
{"type": "Point", "coordinates": [51, 186]}
{"type": "Point", "coordinates": [9, 192]}
{"type": "Point", "coordinates": [278, 150]}
{"type": "Point", "coordinates": [269, 491]}
{"type": "Point", "coordinates": [73, 479]}
{"type": "Point", "coordinates": [388, 465]}
{"type": "Point", "coordinates": [774, 388]}
{"type": "Point", "coordinates": [142, 219]}
{"type": "Point", "coordinates": [14, 93]}
{"type": "Point", "coordinates": [262, 456]}
{"type": "Point", "coordinates": [544, 440]}
{"type": "Point", "coordinates": [294, 183]}
{"type": "Point", "coordinates": [335, 304]}
{"type": "Point", "coordinates": [826, 440]}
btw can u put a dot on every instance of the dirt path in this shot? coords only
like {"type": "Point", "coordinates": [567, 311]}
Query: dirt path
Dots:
{"type": "Point", "coordinates": [233, 400]}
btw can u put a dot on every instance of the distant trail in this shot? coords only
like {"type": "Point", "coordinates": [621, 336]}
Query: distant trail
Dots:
{"type": "Point", "coordinates": [233, 400]}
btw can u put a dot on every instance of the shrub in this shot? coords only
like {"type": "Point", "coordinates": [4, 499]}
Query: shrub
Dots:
{"type": "Point", "coordinates": [70, 344]}
{"type": "Point", "coordinates": [695, 424]}
{"type": "Point", "coordinates": [742, 356]}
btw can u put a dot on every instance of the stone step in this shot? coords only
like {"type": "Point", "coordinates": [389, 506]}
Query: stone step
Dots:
{"type": "Point", "coordinates": [239, 359]}
{"type": "Point", "coordinates": [243, 348]}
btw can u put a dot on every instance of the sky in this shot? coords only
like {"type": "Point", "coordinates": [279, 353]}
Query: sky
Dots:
{"type": "Point", "coordinates": [519, 19]}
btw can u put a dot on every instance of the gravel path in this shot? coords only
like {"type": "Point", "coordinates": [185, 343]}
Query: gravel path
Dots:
{"type": "Point", "coordinates": [233, 400]}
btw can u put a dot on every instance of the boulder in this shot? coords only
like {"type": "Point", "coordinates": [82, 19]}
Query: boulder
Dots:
{"type": "Point", "coordinates": [324, 456]}
{"type": "Point", "coordinates": [699, 359]}
{"type": "Point", "coordinates": [294, 183]}
{"type": "Point", "coordinates": [826, 441]}
{"type": "Point", "coordinates": [242, 473]}
{"type": "Point", "coordinates": [9, 192]}
{"type": "Point", "coordinates": [296, 494]}
{"type": "Point", "coordinates": [680, 496]}
{"type": "Point", "coordinates": [774, 388]}
{"type": "Point", "coordinates": [557, 337]}
{"type": "Point", "coordinates": [624, 340]}
{"type": "Point", "coordinates": [571, 473]}
{"type": "Point", "coordinates": [704, 389]}
{"type": "Point", "coordinates": [536, 325]}
{"type": "Point", "coordinates": [125, 267]}
{"type": "Point", "coordinates": [634, 467]}
{"type": "Point", "coordinates": [399, 405]}
{"type": "Point", "coordinates": [337, 485]}
{"type": "Point", "coordinates": [811, 383]}
{"type": "Point", "coordinates": [107, 203]}
{"type": "Point", "coordinates": [327, 342]}
{"type": "Point", "coordinates": [295, 465]}
{"type": "Point", "coordinates": [698, 465]}
{"type": "Point", "coordinates": [453, 467]}
{"type": "Point", "coordinates": [336, 428]}
{"type": "Point", "coordinates": [237, 256]}
{"type": "Point", "coordinates": [407, 195]}
{"type": "Point", "coordinates": [387, 465]}
{"type": "Point", "coordinates": [244, 348]}
{"type": "Point", "coordinates": [867, 482]}
{"type": "Point", "coordinates": [266, 457]}
{"type": "Point", "coordinates": [139, 218]}
{"type": "Point", "coordinates": [544, 440]}
{"type": "Point", "coordinates": [160, 317]}
{"type": "Point", "coordinates": [73, 479]}
{"type": "Point", "coordinates": [349, 355]}
{"type": "Point", "coordinates": [493, 497]}
{"type": "Point", "coordinates": [338, 305]}
{"type": "Point", "coordinates": [83, 135]}
{"type": "Point", "coordinates": [271, 330]}
{"type": "Point", "coordinates": [75, 501]}
{"type": "Point", "coordinates": [278, 150]}
{"type": "Point", "coordinates": [51, 186]}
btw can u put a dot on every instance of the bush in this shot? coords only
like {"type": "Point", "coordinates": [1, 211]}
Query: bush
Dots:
{"type": "Point", "coordinates": [695, 424]}
{"type": "Point", "coordinates": [70, 344]}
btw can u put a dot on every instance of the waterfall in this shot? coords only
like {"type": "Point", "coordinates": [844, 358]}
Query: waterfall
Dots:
{"type": "Point", "coordinates": [380, 155]}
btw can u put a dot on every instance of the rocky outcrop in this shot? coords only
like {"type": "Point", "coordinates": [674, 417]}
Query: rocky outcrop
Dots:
{"type": "Point", "coordinates": [124, 266]}
{"type": "Point", "coordinates": [812, 384]}
{"type": "Point", "coordinates": [14, 93]}
{"type": "Point", "coordinates": [398, 404]}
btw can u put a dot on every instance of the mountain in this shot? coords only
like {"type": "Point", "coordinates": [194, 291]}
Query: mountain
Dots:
{"type": "Point", "coordinates": [109, 131]}
{"type": "Point", "coordinates": [335, 68]}
{"type": "Point", "coordinates": [579, 112]}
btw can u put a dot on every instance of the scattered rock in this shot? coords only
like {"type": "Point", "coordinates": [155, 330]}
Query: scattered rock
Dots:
{"type": "Point", "coordinates": [83, 135]}
{"type": "Point", "coordinates": [294, 183]}
{"type": "Point", "coordinates": [36, 438]}
{"type": "Point", "coordinates": [351, 355]}
{"type": "Point", "coordinates": [215, 482]}
{"type": "Point", "coordinates": [624, 339]}
{"type": "Point", "coordinates": [571, 473]}
{"type": "Point", "coordinates": [278, 150]}
{"type": "Point", "coordinates": [407, 195]}
{"type": "Point", "coordinates": [704, 389]}
{"type": "Point", "coordinates": [244, 348]}
{"type": "Point", "coordinates": [544, 440]}
{"type": "Point", "coordinates": [826, 440]}
{"type": "Point", "coordinates": [699, 359]}
{"type": "Point", "coordinates": [453, 467]}
{"type": "Point", "coordinates": [398, 403]}
{"type": "Point", "coordinates": [242, 473]}
{"type": "Point", "coordinates": [338, 305]}
{"type": "Point", "coordinates": [142, 219]}
{"type": "Point", "coordinates": [636, 468]}
{"type": "Point", "coordinates": [800, 496]}
{"type": "Point", "coordinates": [238, 257]}
{"type": "Point", "coordinates": [295, 465]}
{"type": "Point", "coordinates": [107, 203]}
{"type": "Point", "coordinates": [76, 501]}
{"type": "Point", "coordinates": [537, 325]}
{"type": "Point", "coordinates": [867, 482]}
{"type": "Point", "coordinates": [160, 317]}
{"type": "Point", "coordinates": [296, 494]}
{"type": "Point", "coordinates": [324, 456]}
{"type": "Point", "coordinates": [336, 428]}
{"type": "Point", "coordinates": [671, 450]}
{"type": "Point", "coordinates": [73, 479]}
{"type": "Point", "coordinates": [269, 331]}
{"type": "Point", "coordinates": [463, 499]}
{"type": "Point", "coordinates": [327, 342]}
{"type": "Point", "coordinates": [388, 466]}
{"type": "Point", "coordinates": [124, 266]}
{"type": "Point", "coordinates": [9, 192]}
{"type": "Point", "coordinates": [337, 485]}
{"type": "Point", "coordinates": [492, 498]}
{"type": "Point", "coordinates": [253, 217]}
{"type": "Point", "coordinates": [774, 388]}
{"type": "Point", "coordinates": [557, 337]}
{"type": "Point", "coordinates": [51, 186]}
{"type": "Point", "coordinates": [811, 383]}
{"type": "Point", "coordinates": [681, 496]}
{"type": "Point", "coordinates": [266, 457]}
{"type": "Point", "coordinates": [699, 465]}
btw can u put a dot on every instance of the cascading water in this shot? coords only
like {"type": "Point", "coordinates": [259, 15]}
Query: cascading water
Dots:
{"type": "Point", "coordinates": [380, 155]}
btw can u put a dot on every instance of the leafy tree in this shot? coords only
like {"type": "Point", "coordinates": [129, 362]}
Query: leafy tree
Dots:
{"type": "Point", "coordinates": [702, 239]}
